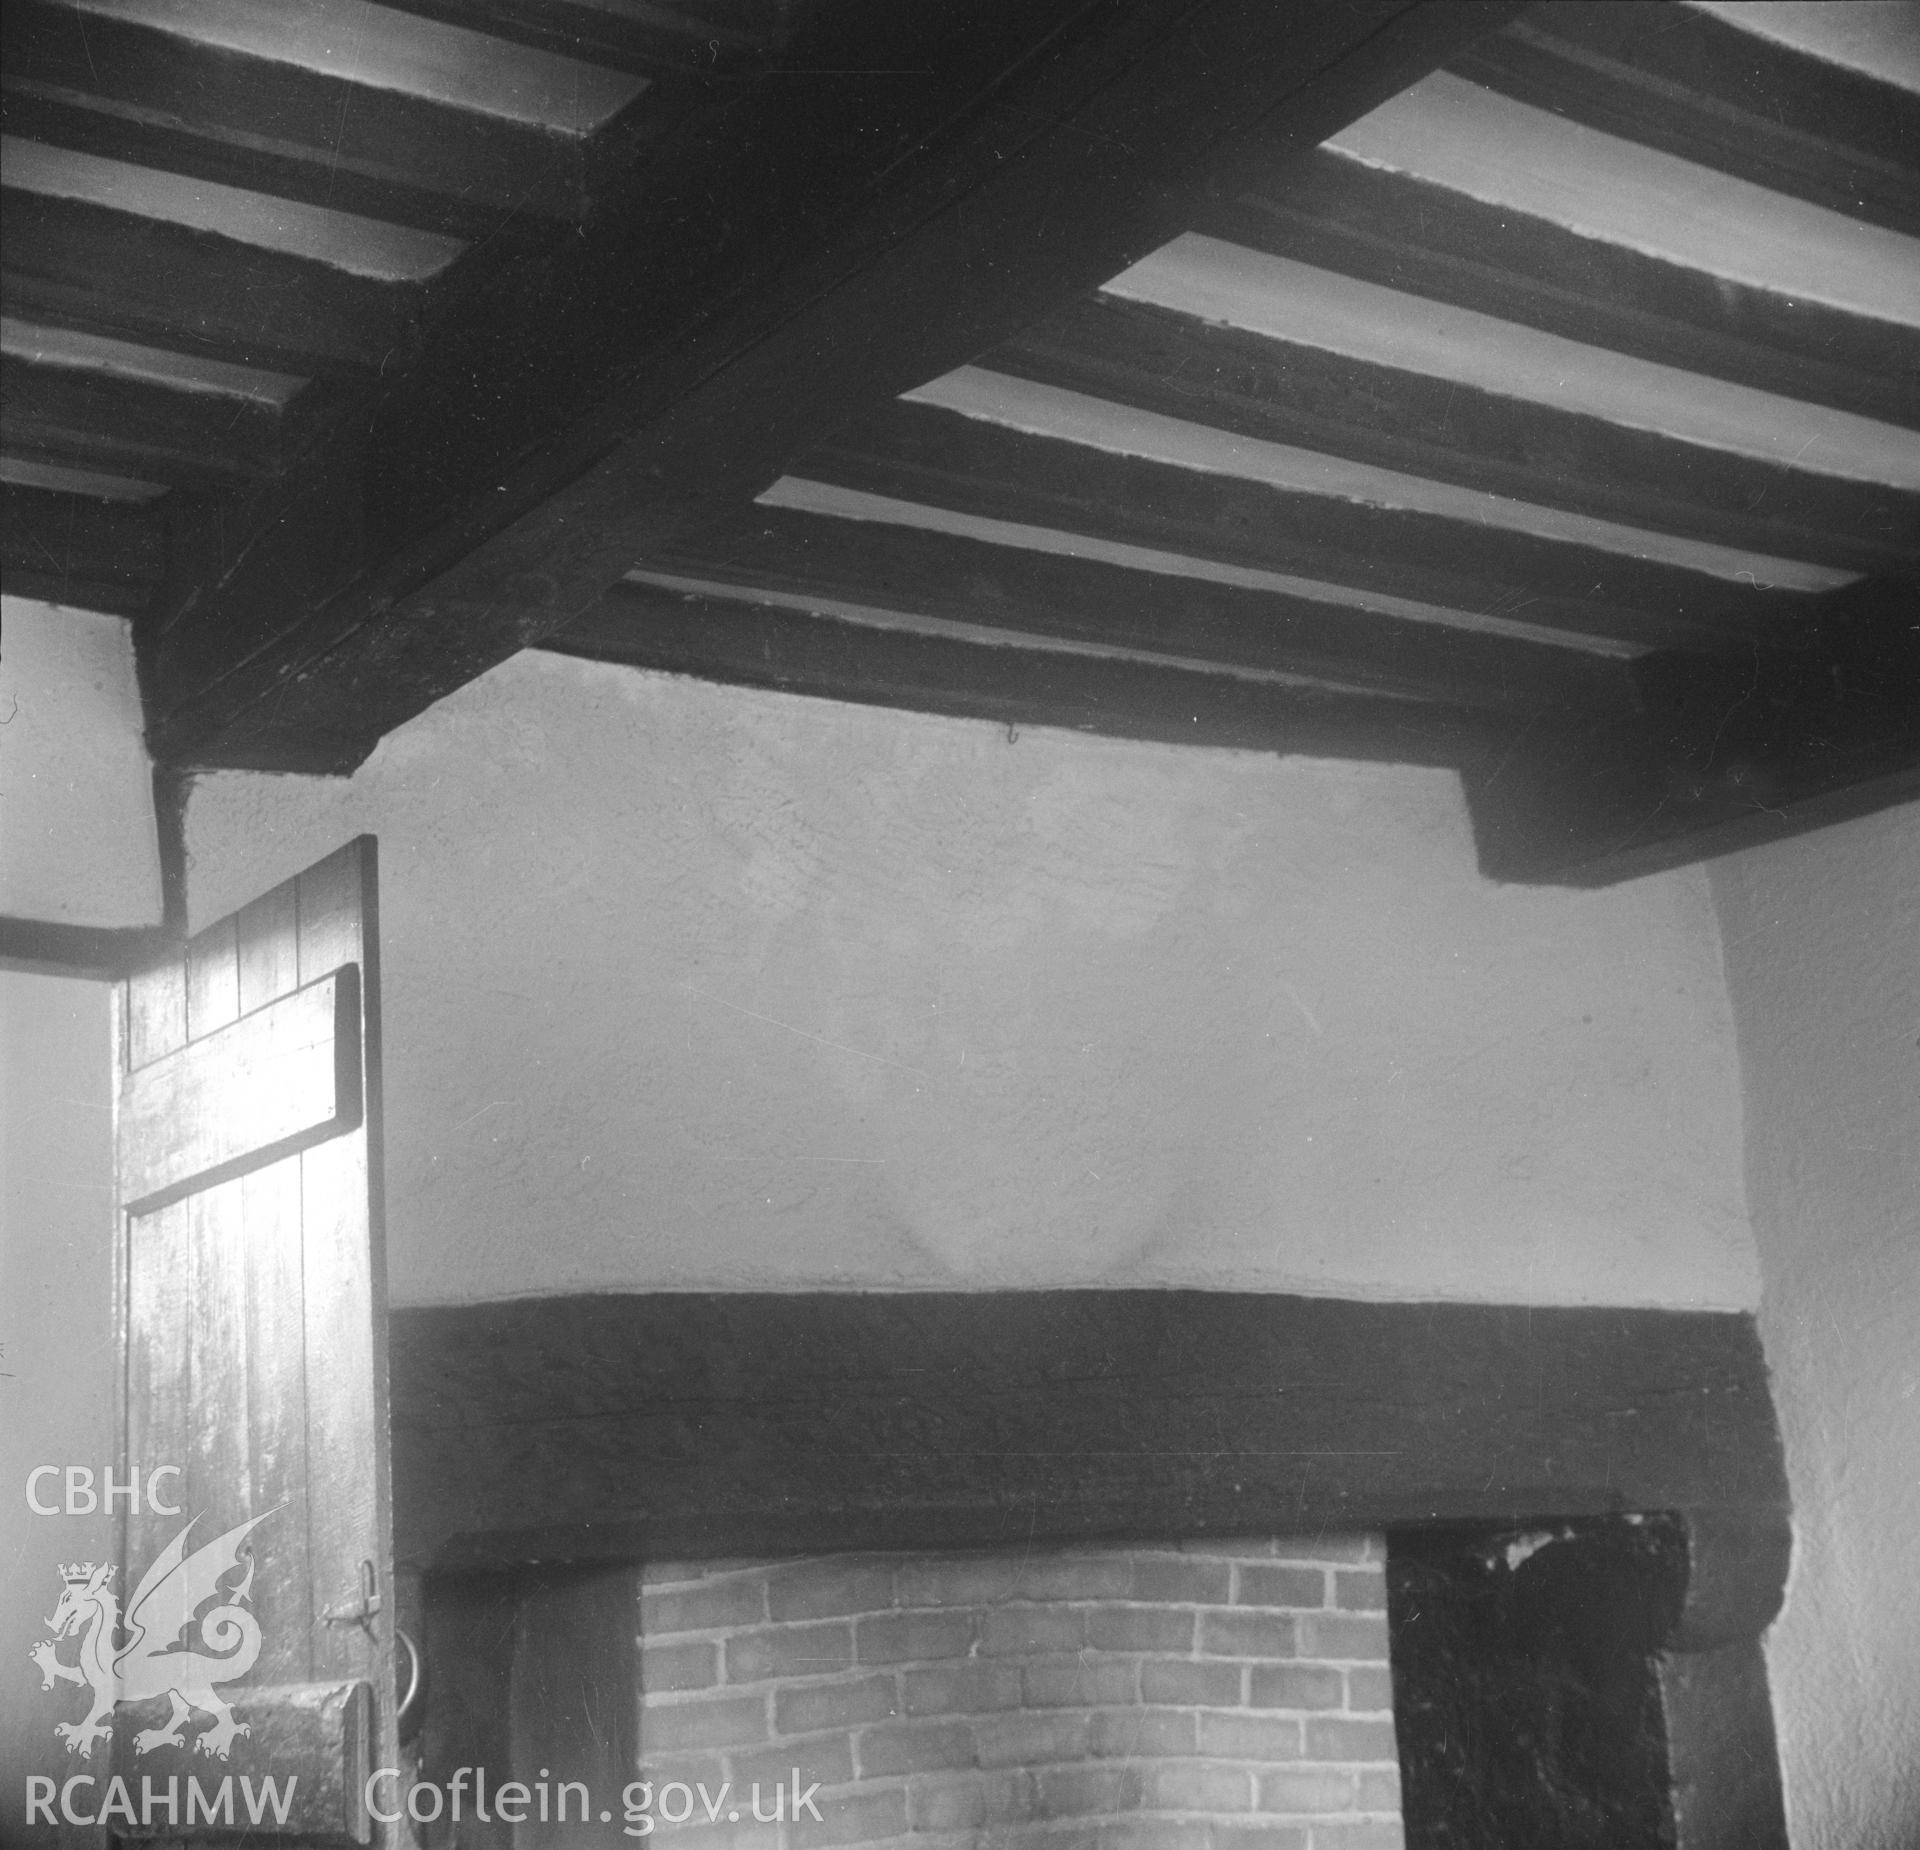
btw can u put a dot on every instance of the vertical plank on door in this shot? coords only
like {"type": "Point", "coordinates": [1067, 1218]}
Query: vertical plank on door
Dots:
{"type": "Point", "coordinates": [277, 1429]}
{"type": "Point", "coordinates": [155, 1010]}
{"type": "Point", "coordinates": [213, 1445]}
{"type": "Point", "coordinates": [349, 1507]}
{"type": "Point", "coordinates": [213, 980]}
{"type": "Point", "coordinates": [267, 951]}
{"type": "Point", "coordinates": [267, 941]}
{"type": "Point", "coordinates": [157, 1307]}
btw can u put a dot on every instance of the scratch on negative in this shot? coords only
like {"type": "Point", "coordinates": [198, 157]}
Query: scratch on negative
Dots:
{"type": "Point", "coordinates": [1300, 1004]}
{"type": "Point", "coordinates": [818, 1039]}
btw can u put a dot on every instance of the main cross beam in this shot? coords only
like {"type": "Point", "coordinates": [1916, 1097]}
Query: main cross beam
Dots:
{"type": "Point", "coordinates": [592, 409]}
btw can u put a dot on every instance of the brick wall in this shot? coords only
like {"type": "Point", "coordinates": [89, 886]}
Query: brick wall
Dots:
{"type": "Point", "coordinates": [1216, 1697]}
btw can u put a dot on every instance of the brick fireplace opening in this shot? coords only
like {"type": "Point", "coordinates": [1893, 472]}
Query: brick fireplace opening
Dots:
{"type": "Point", "coordinates": [1214, 1696]}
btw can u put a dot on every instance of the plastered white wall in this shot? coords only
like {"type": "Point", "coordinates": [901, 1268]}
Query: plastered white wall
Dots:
{"type": "Point", "coordinates": [1823, 963]}
{"type": "Point", "coordinates": [77, 844]}
{"type": "Point", "coordinates": [57, 1370]}
{"type": "Point", "coordinates": [695, 987]}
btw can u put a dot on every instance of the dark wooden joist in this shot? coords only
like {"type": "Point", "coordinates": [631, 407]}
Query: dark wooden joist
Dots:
{"type": "Point", "coordinates": [1402, 233]}
{"type": "Point", "coordinates": [100, 420]}
{"type": "Point", "coordinates": [711, 36]}
{"type": "Point", "coordinates": [1284, 392]}
{"type": "Point", "coordinates": [72, 264]}
{"type": "Point", "coordinates": [926, 454]}
{"type": "Point", "coordinates": [733, 639]}
{"type": "Point", "coordinates": [1698, 87]}
{"type": "Point", "coordinates": [747, 185]}
{"type": "Point", "coordinates": [527, 342]}
{"type": "Point", "coordinates": [886, 227]}
{"type": "Point", "coordinates": [132, 93]}
{"type": "Point", "coordinates": [1026, 594]}
{"type": "Point", "coordinates": [73, 549]}
{"type": "Point", "coordinates": [1728, 750]}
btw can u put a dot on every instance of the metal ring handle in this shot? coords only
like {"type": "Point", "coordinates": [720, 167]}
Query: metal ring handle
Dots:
{"type": "Point", "coordinates": [407, 1719]}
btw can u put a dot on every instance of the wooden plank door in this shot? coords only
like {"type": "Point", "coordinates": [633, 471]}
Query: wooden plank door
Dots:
{"type": "Point", "coordinates": [252, 1304]}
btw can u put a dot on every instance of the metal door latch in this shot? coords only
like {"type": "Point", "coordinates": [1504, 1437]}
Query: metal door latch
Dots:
{"type": "Point", "coordinates": [362, 1610]}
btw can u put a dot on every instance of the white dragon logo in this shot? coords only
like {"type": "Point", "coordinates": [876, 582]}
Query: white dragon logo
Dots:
{"type": "Point", "coordinates": [149, 1664]}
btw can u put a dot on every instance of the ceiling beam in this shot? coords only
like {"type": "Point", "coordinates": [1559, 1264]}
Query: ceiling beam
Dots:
{"type": "Point", "coordinates": [923, 453]}
{"type": "Point", "coordinates": [635, 412]}
{"type": "Point", "coordinates": [1404, 233]}
{"type": "Point", "coordinates": [733, 639]}
{"type": "Point", "coordinates": [733, 218]}
{"type": "Point", "coordinates": [1729, 750]}
{"type": "Point", "coordinates": [1289, 393]}
{"type": "Point", "coordinates": [72, 549]}
{"type": "Point", "coordinates": [1696, 86]}
{"type": "Point", "coordinates": [726, 36]}
{"type": "Point", "coordinates": [128, 92]}
{"type": "Point", "coordinates": [103, 420]}
{"type": "Point", "coordinates": [1035, 596]}
{"type": "Point", "coordinates": [72, 264]}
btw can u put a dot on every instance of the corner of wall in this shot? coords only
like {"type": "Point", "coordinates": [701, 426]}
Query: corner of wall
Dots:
{"type": "Point", "coordinates": [1821, 941]}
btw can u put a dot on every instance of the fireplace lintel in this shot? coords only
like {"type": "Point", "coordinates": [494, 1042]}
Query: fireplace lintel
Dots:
{"type": "Point", "coordinates": [543, 1432]}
